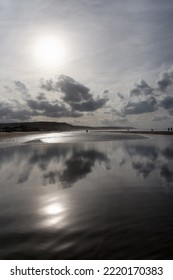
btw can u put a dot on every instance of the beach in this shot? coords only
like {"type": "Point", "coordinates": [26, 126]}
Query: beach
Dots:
{"type": "Point", "coordinates": [78, 195]}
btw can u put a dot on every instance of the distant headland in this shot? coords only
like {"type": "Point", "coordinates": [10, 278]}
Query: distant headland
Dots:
{"type": "Point", "coordinates": [52, 126]}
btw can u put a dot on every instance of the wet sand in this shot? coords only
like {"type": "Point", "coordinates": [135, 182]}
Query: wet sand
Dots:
{"type": "Point", "coordinates": [18, 134]}
{"type": "Point", "coordinates": [139, 132]}
{"type": "Point", "coordinates": [149, 132]}
{"type": "Point", "coordinates": [4, 135]}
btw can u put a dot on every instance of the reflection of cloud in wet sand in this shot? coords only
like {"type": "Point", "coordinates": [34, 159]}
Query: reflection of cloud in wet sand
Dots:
{"type": "Point", "coordinates": [143, 158]}
{"type": "Point", "coordinates": [63, 164]}
{"type": "Point", "coordinates": [81, 164]}
{"type": "Point", "coordinates": [76, 167]}
{"type": "Point", "coordinates": [166, 173]}
{"type": "Point", "coordinates": [146, 159]}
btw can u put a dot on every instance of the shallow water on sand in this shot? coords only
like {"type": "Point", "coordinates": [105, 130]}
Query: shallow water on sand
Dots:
{"type": "Point", "coordinates": [74, 195]}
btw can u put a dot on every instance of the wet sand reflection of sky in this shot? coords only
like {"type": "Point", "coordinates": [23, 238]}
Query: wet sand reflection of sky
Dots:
{"type": "Point", "coordinates": [60, 195]}
{"type": "Point", "coordinates": [65, 164]}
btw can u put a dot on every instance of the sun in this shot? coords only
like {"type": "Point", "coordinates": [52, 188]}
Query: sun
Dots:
{"type": "Point", "coordinates": [49, 51]}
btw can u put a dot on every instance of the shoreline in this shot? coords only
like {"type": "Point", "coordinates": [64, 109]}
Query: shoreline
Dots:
{"type": "Point", "coordinates": [146, 132]}
{"type": "Point", "coordinates": [18, 134]}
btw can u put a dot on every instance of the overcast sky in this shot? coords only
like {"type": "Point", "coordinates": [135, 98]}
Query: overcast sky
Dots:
{"type": "Point", "coordinates": [112, 64]}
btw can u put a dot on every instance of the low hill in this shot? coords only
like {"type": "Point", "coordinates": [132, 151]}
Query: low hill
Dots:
{"type": "Point", "coordinates": [49, 126]}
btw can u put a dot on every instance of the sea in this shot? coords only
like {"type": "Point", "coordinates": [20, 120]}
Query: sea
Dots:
{"type": "Point", "coordinates": [77, 195]}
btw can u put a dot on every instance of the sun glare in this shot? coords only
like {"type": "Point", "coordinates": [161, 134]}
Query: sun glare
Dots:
{"type": "Point", "coordinates": [54, 209]}
{"type": "Point", "coordinates": [49, 51]}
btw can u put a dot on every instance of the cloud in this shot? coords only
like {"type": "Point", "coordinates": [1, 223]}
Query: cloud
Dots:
{"type": "Point", "coordinates": [165, 81]}
{"type": "Point", "coordinates": [46, 108]}
{"type": "Point", "coordinates": [117, 113]}
{"type": "Point", "coordinates": [143, 100]}
{"type": "Point", "coordinates": [21, 87]}
{"type": "Point", "coordinates": [160, 118]}
{"type": "Point", "coordinates": [147, 99]}
{"type": "Point", "coordinates": [119, 122]}
{"type": "Point", "coordinates": [141, 107]}
{"type": "Point", "coordinates": [41, 96]}
{"type": "Point", "coordinates": [167, 102]}
{"type": "Point", "coordinates": [7, 88]}
{"type": "Point", "coordinates": [141, 89]}
{"type": "Point", "coordinates": [76, 95]}
{"type": "Point", "coordinates": [170, 112]}
{"type": "Point", "coordinates": [7, 112]}
{"type": "Point", "coordinates": [16, 111]}
{"type": "Point", "coordinates": [120, 95]}
{"type": "Point", "coordinates": [89, 106]}
{"type": "Point", "coordinates": [105, 91]}
{"type": "Point", "coordinates": [47, 85]}
{"type": "Point", "coordinates": [75, 99]}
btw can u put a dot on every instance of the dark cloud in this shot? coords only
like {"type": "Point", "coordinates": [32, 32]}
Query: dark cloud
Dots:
{"type": "Point", "coordinates": [76, 99]}
{"type": "Point", "coordinates": [143, 100]}
{"type": "Point", "coordinates": [141, 89]}
{"type": "Point", "coordinates": [48, 109]}
{"type": "Point", "coordinates": [74, 91]}
{"type": "Point", "coordinates": [7, 112]}
{"type": "Point", "coordinates": [20, 115]}
{"type": "Point", "coordinates": [107, 122]}
{"type": "Point", "coordinates": [159, 119]}
{"type": "Point", "coordinates": [167, 102]}
{"type": "Point", "coordinates": [32, 108]}
{"type": "Point", "coordinates": [105, 91]}
{"type": "Point", "coordinates": [41, 96]}
{"type": "Point", "coordinates": [117, 113]}
{"type": "Point", "coordinates": [146, 99]}
{"type": "Point", "coordinates": [89, 106]}
{"type": "Point", "coordinates": [76, 95]}
{"type": "Point", "coordinates": [170, 112]}
{"type": "Point", "coordinates": [47, 85]}
{"type": "Point", "coordinates": [120, 95]}
{"type": "Point", "coordinates": [141, 107]}
{"type": "Point", "coordinates": [21, 87]}
{"type": "Point", "coordinates": [165, 81]}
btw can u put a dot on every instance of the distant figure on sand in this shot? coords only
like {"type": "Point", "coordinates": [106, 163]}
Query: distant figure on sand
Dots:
{"type": "Point", "coordinates": [86, 130]}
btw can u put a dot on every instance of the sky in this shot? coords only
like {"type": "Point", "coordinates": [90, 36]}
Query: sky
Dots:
{"type": "Point", "coordinates": [91, 62]}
